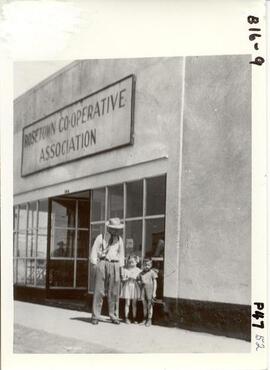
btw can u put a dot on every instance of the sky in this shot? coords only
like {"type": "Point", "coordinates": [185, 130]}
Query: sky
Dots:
{"type": "Point", "coordinates": [28, 74]}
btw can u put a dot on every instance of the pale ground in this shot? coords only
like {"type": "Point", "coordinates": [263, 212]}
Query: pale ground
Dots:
{"type": "Point", "coordinates": [44, 329]}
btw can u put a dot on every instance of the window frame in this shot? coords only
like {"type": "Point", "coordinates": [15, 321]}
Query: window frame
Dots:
{"type": "Point", "coordinates": [26, 232]}
{"type": "Point", "coordinates": [76, 229]}
{"type": "Point", "coordinates": [143, 218]}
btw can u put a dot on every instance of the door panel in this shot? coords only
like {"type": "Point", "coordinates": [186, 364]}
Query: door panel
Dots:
{"type": "Point", "coordinates": [69, 241]}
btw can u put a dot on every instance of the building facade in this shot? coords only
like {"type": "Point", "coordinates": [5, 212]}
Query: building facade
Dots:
{"type": "Point", "coordinates": [162, 143]}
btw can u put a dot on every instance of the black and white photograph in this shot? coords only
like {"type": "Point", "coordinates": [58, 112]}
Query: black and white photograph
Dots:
{"type": "Point", "coordinates": [134, 198]}
{"type": "Point", "coordinates": [132, 192]}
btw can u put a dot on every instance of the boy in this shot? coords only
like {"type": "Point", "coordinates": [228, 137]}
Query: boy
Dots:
{"type": "Point", "coordinates": [148, 281]}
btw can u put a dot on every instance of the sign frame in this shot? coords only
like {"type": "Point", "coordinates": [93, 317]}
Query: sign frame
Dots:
{"type": "Point", "coordinates": [131, 140]}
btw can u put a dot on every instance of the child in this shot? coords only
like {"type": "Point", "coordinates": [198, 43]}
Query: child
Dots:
{"type": "Point", "coordinates": [131, 290]}
{"type": "Point", "coordinates": [148, 281]}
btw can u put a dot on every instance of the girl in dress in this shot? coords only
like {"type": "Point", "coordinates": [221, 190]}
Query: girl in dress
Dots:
{"type": "Point", "coordinates": [131, 290]}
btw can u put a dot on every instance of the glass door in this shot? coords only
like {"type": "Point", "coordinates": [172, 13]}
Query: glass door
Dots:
{"type": "Point", "coordinates": [69, 241]}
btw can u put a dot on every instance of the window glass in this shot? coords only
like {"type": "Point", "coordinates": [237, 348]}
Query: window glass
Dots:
{"type": "Point", "coordinates": [95, 231]}
{"type": "Point", "coordinates": [133, 242]}
{"type": "Point", "coordinates": [134, 199]}
{"type": "Point", "coordinates": [21, 252]}
{"type": "Point", "coordinates": [22, 216]}
{"type": "Point", "coordinates": [82, 244]}
{"type": "Point", "coordinates": [61, 273]}
{"type": "Point", "coordinates": [63, 213]}
{"type": "Point", "coordinates": [62, 243]}
{"type": "Point", "coordinates": [41, 272]}
{"type": "Point", "coordinates": [155, 195]}
{"type": "Point", "coordinates": [15, 218]}
{"type": "Point", "coordinates": [154, 237]}
{"type": "Point", "coordinates": [42, 246]}
{"type": "Point", "coordinates": [91, 274]}
{"type": "Point", "coordinates": [115, 201]}
{"type": "Point", "coordinates": [32, 215]}
{"type": "Point", "coordinates": [43, 215]}
{"type": "Point", "coordinates": [30, 272]}
{"type": "Point", "coordinates": [83, 214]}
{"type": "Point", "coordinates": [98, 205]}
{"type": "Point", "coordinates": [82, 274]}
{"type": "Point", "coordinates": [14, 244]}
{"type": "Point", "coordinates": [155, 247]}
{"type": "Point", "coordinates": [31, 244]}
{"type": "Point", "coordinates": [15, 271]}
{"type": "Point", "coordinates": [20, 271]}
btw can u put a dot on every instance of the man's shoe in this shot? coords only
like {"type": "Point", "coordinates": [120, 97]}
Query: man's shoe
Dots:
{"type": "Point", "coordinates": [94, 321]}
{"type": "Point", "coordinates": [148, 323]}
{"type": "Point", "coordinates": [115, 321]}
{"type": "Point", "coordinates": [127, 321]}
{"type": "Point", "coordinates": [143, 322]}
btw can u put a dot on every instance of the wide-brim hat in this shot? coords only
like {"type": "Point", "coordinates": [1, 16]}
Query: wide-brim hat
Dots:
{"type": "Point", "coordinates": [115, 223]}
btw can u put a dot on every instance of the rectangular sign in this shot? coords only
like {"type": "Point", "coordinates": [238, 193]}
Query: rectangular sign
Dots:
{"type": "Point", "coordinates": [99, 122]}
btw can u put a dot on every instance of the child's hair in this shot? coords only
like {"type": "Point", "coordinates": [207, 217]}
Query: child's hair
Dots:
{"type": "Point", "coordinates": [147, 260]}
{"type": "Point", "coordinates": [133, 256]}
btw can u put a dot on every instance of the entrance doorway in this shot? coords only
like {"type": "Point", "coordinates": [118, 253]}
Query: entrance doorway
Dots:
{"type": "Point", "coordinates": [69, 241]}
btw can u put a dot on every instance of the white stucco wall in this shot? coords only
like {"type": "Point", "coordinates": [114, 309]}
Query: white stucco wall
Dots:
{"type": "Point", "coordinates": [215, 234]}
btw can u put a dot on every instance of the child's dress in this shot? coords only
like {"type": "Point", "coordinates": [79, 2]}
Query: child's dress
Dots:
{"type": "Point", "coordinates": [130, 288]}
{"type": "Point", "coordinates": [147, 282]}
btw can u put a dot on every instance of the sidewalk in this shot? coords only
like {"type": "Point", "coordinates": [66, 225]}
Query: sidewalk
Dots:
{"type": "Point", "coordinates": [44, 329]}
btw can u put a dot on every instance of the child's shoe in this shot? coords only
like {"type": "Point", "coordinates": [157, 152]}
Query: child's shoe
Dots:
{"type": "Point", "coordinates": [127, 321]}
{"type": "Point", "coordinates": [148, 323]}
{"type": "Point", "coordinates": [143, 322]}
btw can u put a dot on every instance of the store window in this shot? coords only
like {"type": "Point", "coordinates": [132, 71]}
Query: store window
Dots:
{"type": "Point", "coordinates": [98, 205]}
{"type": "Point", "coordinates": [69, 241]}
{"type": "Point", "coordinates": [141, 206]}
{"type": "Point", "coordinates": [134, 199]}
{"type": "Point", "coordinates": [115, 201]}
{"type": "Point", "coordinates": [30, 243]}
{"type": "Point", "coordinates": [155, 192]}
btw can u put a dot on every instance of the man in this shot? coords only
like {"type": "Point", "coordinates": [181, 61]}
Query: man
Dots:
{"type": "Point", "coordinates": [107, 256]}
{"type": "Point", "coordinates": [60, 251]}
